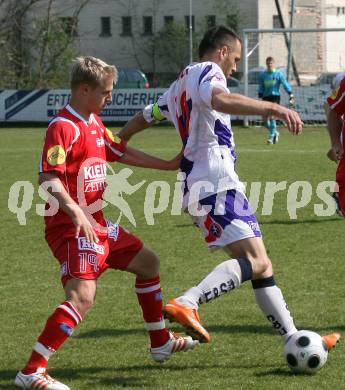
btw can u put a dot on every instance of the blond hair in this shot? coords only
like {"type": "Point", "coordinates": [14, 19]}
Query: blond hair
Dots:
{"type": "Point", "coordinates": [92, 71]}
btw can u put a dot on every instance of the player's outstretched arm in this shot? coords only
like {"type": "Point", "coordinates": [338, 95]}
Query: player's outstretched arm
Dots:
{"type": "Point", "coordinates": [286, 84]}
{"type": "Point", "coordinates": [261, 88]}
{"type": "Point", "coordinates": [237, 104]}
{"type": "Point", "coordinates": [68, 205]}
{"type": "Point", "coordinates": [134, 125]}
{"type": "Point", "coordinates": [138, 158]}
{"type": "Point", "coordinates": [290, 117]}
{"type": "Point", "coordinates": [334, 125]}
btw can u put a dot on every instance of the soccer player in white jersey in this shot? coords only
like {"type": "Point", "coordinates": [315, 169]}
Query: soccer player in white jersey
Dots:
{"type": "Point", "coordinates": [198, 103]}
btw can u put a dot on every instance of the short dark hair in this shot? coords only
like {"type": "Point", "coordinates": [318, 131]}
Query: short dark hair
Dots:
{"type": "Point", "coordinates": [215, 38]}
{"type": "Point", "coordinates": [269, 59]}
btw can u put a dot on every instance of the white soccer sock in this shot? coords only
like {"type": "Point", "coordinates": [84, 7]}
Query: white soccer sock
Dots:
{"type": "Point", "coordinates": [224, 278]}
{"type": "Point", "coordinates": [271, 301]}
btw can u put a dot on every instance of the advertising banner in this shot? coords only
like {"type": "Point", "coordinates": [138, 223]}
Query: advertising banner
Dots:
{"type": "Point", "coordinates": [42, 105]}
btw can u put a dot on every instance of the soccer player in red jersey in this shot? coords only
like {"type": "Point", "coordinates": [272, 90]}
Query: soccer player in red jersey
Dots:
{"type": "Point", "coordinates": [336, 128]}
{"type": "Point", "coordinates": [73, 171]}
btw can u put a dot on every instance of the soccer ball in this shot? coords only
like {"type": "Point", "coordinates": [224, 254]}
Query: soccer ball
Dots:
{"type": "Point", "coordinates": [305, 352]}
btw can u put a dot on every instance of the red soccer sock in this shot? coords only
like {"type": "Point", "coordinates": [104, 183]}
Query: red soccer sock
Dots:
{"type": "Point", "coordinates": [58, 328]}
{"type": "Point", "coordinates": [36, 360]}
{"type": "Point", "coordinates": [150, 299]}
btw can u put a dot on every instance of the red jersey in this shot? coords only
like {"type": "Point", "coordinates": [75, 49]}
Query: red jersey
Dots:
{"type": "Point", "coordinates": [336, 103]}
{"type": "Point", "coordinates": [336, 100]}
{"type": "Point", "coordinates": [77, 150]}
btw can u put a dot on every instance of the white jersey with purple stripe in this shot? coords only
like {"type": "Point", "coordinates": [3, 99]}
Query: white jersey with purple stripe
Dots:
{"type": "Point", "coordinates": [337, 80]}
{"type": "Point", "coordinates": [335, 84]}
{"type": "Point", "coordinates": [209, 154]}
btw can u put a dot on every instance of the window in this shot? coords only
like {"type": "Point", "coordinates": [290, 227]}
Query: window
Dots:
{"type": "Point", "coordinates": [210, 21]}
{"type": "Point", "coordinates": [276, 21]}
{"type": "Point", "coordinates": [126, 26]}
{"type": "Point", "coordinates": [232, 21]}
{"type": "Point", "coordinates": [147, 23]}
{"type": "Point", "coordinates": [340, 10]}
{"type": "Point", "coordinates": [105, 26]}
{"type": "Point", "coordinates": [186, 18]}
{"type": "Point", "coordinates": [168, 19]}
{"type": "Point", "coordinates": [69, 25]}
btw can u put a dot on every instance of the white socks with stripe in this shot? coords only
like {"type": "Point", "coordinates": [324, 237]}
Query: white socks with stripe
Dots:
{"type": "Point", "coordinates": [271, 301]}
{"type": "Point", "coordinates": [224, 278]}
{"type": "Point", "coordinates": [228, 276]}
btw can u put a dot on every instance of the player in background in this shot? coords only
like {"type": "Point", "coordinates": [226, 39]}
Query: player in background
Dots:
{"type": "Point", "coordinates": [270, 81]}
{"type": "Point", "coordinates": [333, 92]}
{"type": "Point", "coordinates": [198, 103]}
{"type": "Point", "coordinates": [335, 125]}
{"type": "Point", "coordinates": [331, 153]}
{"type": "Point", "coordinates": [73, 170]}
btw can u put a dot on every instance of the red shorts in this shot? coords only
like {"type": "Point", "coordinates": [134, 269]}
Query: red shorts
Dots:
{"type": "Point", "coordinates": [341, 197]}
{"type": "Point", "coordinates": [340, 178]}
{"type": "Point", "coordinates": [80, 259]}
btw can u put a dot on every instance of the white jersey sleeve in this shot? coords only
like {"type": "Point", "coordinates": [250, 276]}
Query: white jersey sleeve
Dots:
{"type": "Point", "coordinates": [210, 78]}
{"type": "Point", "coordinates": [335, 85]}
{"type": "Point", "coordinates": [336, 80]}
{"type": "Point", "coordinates": [158, 111]}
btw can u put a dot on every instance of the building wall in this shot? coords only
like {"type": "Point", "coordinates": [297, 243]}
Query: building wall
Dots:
{"type": "Point", "coordinates": [334, 16]}
{"type": "Point", "coordinates": [272, 44]}
{"type": "Point", "coordinates": [137, 51]}
{"type": "Point", "coordinates": [308, 48]}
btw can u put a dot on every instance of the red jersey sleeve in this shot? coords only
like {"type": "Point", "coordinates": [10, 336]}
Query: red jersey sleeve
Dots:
{"type": "Point", "coordinates": [114, 146]}
{"type": "Point", "coordinates": [59, 138]}
{"type": "Point", "coordinates": [336, 100]}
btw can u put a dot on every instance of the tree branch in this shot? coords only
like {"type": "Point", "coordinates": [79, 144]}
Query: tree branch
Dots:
{"type": "Point", "coordinates": [45, 44]}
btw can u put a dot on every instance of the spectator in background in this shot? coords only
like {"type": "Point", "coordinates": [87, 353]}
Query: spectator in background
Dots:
{"type": "Point", "coordinates": [270, 81]}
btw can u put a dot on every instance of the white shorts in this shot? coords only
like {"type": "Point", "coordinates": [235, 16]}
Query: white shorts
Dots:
{"type": "Point", "coordinates": [229, 219]}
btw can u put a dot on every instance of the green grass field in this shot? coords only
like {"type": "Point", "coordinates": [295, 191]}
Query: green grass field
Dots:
{"type": "Point", "coordinates": [109, 350]}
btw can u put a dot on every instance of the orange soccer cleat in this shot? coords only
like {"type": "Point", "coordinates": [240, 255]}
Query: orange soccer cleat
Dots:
{"type": "Point", "coordinates": [331, 339]}
{"type": "Point", "coordinates": [187, 317]}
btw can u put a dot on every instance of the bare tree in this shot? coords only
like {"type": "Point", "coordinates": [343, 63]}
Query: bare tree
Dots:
{"type": "Point", "coordinates": [35, 46]}
{"type": "Point", "coordinates": [230, 13]}
{"type": "Point", "coordinates": [168, 46]}
{"type": "Point", "coordinates": [137, 49]}
{"type": "Point", "coordinates": [172, 46]}
{"type": "Point", "coordinates": [45, 42]}
{"type": "Point", "coordinates": [12, 16]}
